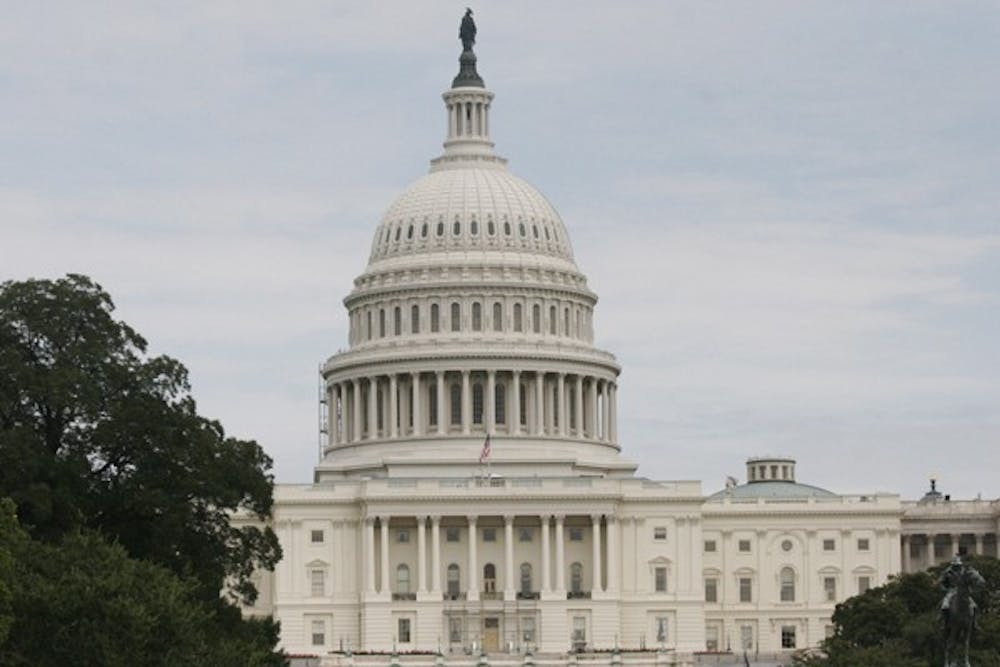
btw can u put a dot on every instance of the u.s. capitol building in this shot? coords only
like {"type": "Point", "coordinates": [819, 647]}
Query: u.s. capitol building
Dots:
{"type": "Point", "coordinates": [473, 495]}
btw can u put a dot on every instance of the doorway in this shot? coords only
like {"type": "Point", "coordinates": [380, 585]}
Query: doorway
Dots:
{"type": "Point", "coordinates": [491, 633]}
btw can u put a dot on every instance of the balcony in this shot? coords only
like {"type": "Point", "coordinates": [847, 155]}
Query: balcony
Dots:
{"type": "Point", "coordinates": [454, 596]}
{"type": "Point", "coordinates": [578, 595]}
{"type": "Point", "coordinates": [404, 596]}
{"type": "Point", "coordinates": [527, 595]}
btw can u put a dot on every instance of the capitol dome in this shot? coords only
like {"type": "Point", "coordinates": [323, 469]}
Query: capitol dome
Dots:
{"type": "Point", "coordinates": [470, 321]}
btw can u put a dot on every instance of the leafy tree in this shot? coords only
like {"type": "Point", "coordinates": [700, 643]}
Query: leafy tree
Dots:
{"type": "Point", "coordinates": [84, 601]}
{"type": "Point", "coordinates": [897, 625]}
{"type": "Point", "coordinates": [94, 433]}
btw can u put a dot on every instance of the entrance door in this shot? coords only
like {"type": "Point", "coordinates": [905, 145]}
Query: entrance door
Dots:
{"type": "Point", "coordinates": [491, 633]}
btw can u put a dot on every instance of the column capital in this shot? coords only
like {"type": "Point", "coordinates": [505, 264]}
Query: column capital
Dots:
{"type": "Point", "coordinates": [491, 372]}
{"type": "Point", "coordinates": [435, 518]}
{"type": "Point", "coordinates": [559, 517]}
{"type": "Point", "coordinates": [369, 520]}
{"type": "Point", "coordinates": [465, 372]}
{"type": "Point", "coordinates": [421, 519]}
{"type": "Point", "coordinates": [384, 519]}
{"type": "Point", "coordinates": [596, 518]}
{"type": "Point", "coordinates": [545, 517]}
{"type": "Point", "coordinates": [610, 518]}
{"type": "Point", "coordinates": [508, 519]}
{"type": "Point", "coordinates": [472, 518]}
{"type": "Point", "coordinates": [439, 374]}
{"type": "Point", "coordinates": [516, 373]}
{"type": "Point", "coordinates": [415, 374]}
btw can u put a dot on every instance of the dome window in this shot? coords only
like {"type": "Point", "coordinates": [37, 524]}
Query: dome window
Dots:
{"type": "Point", "coordinates": [506, 228]}
{"type": "Point", "coordinates": [456, 229]}
{"type": "Point", "coordinates": [440, 229]}
{"type": "Point", "coordinates": [547, 237]}
{"type": "Point", "coordinates": [474, 228]}
{"type": "Point", "coordinates": [399, 230]}
{"type": "Point", "coordinates": [535, 229]}
{"type": "Point", "coordinates": [518, 324]}
{"type": "Point", "coordinates": [477, 316]}
{"type": "Point", "coordinates": [423, 231]}
{"type": "Point", "coordinates": [522, 229]}
{"type": "Point", "coordinates": [497, 316]}
{"type": "Point", "coordinates": [435, 318]}
{"type": "Point", "coordinates": [456, 317]}
{"type": "Point", "coordinates": [409, 232]}
{"type": "Point", "coordinates": [491, 228]}
{"type": "Point", "coordinates": [477, 403]}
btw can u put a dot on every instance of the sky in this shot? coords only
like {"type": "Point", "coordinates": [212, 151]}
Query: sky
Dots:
{"type": "Point", "coordinates": [789, 210]}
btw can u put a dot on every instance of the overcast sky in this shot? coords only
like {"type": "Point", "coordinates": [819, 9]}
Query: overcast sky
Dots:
{"type": "Point", "coordinates": [789, 210]}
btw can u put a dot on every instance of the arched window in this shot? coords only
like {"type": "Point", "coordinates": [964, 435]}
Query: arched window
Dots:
{"type": "Point", "coordinates": [435, 318]}
{"type": "Point", "coordinates": [474, 228]}
{"type": "Point", "coordinates": [369, 325]}
{"type": "Point", "coordinates": [414, 319]}
{"type": "Point", "coordinates": [576, 578]}
{"type": "Point", "coordinates": [454, 580]}
{"type": "Point", "coordinates": [497, 316]}
{"type": "Point", "coordinates": [403, 578]}
{"type": "Point", "coordinates": [477, 316]}
{"type": "Point", "coordinates": [399, 230]}
{"type": "Point", "coordinates": [397, 321]}
{"type": "Point", "coordinates": [423, 231]}
{"type": "Point", "coordinates": [440, 229]}
{"type": "Point", "coordinates": [477, 403]}
{"type": "Point", "coordinates": [518, 317]}
{"type": "Point", "coordinates": [456, 229]}
{"type": "Point", "coordinates": [456, 317]}
{"type": "Point", "coordinates": [381, 322]}
{"type": "Point", "coordinates": [566, 328]}
{"type": "Point", "coordinates": [506, 228]}
{"type": "Point", "coordinates": [409, 232]}
{"type": "Point", "coordinates": [489, 578]}
{"type": "Point", "coordinates": [500, 404]}
{"type": "Point", "coordinates": [379, 409]}
{"type": "Point", "coordinates": [523, 408]}
{"type": "Point", "coordinates": [787, 584]}
{"type": "Point", "coordinates": [555, 406]}
{"type": "Point", "coordinates": [552, 320]}
{"type": "Point", "coordinates": [536, 318]}
{"type": "Point", "coordinates": [520, 228]}
{"type": "Point", "coordinates": [526, 579]}
{"type": "Point", "coordinates": [432, 404]}
{"type": "Point", "coordinates": [491, 229]}
{"type": "Point", "coordinates": [456, 404]}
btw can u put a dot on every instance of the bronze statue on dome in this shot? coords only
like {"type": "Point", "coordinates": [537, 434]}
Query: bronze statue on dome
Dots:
{"type": "Point", "coordinates": [467, 31]}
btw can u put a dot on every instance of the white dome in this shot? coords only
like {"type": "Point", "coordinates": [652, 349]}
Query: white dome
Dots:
{"type": "Point", "coordinates": [466, 208]}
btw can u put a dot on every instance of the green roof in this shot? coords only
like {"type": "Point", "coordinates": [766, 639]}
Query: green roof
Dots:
{"type": "Point", "coordinates": [772, 489]}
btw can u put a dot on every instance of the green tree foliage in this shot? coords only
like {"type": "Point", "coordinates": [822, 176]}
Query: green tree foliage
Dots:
{"type": "Point", "coordinates": [84, 601]}
{"type": "Point", "coordinates": [94, 433]}
{"type": "Point", "coordinates": [898, 625]}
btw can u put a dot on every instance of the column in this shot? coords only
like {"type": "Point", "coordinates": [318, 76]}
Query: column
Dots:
{"type": "Point", "coordinates": [905, 540]}
{"type": "Point", "coordinates": [422, 554]}
{"type": "Point", "coordinates": [605, 410]}
{"type": "Point", "coordinates": [539, 403]}
{"type": "Point", "coordinates": [613, 568]}
{"type": "Point", "coordinates": [490, 400]}
{"type": "Point", "coordinates": [418, 417]}
{"type": "Point", "coordinates": [393, 406]}
{"type": "Point", "coordinates": [384, 525]}
{"type": "Point", "coordinates": [508, 557]}
{"type": "Point", "coordinates": [560, 553]}
{"type": "Point", "coordinates": [979, 544]}
{"type": "Point", "coordinates": [594, 425]}
{"type": "Point", "coordinates": [561, 398]}
{"type": "Point", "coordinates": [372, 407]}
{"type": "Point", "coordinates": [613, 433]}
{"type": "Point", "coordinates": [515, 408]}
{"type": "Point", "coordinates": [579, 406]}
{"type": "Point", "coordinates": [436, 554]}
{"type": "Point", "coordinates": [954, 545]}
{"type": "Point", "coordinates": [442, 424]}
{"type": "Point", "coordinates": [356, 419]}
{"type": "Point", "coordinates": [466, 403]}
{"type": "Point", "coordinates": [369, 559]}
{"type": "Point", "coordinates": [595, 520]}
{"type": "Point", "coordinates": [546, 564]}
{"type": "Point", "coordinates": [473, 567]}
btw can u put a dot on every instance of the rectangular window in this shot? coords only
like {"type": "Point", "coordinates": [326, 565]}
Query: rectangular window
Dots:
{"type": "Point", "coordinates": [528, 630]}
{"type": "Point", "coordinates": [575, 534]}
{"type": "Point", "coordinates": [524, 535]}
{"type": "Point", "coordinates": [746, 589]}
{"type": "Point", "coordinates": [455, 629]}
{"type": "Point", "coordinates": [830, 588]}
{"type": "Point", "coordinates": [660, 579]}
{"type": "Point", "coordinates": [403, 536]}
{"type": "Point", "coordinates": [711, 638]}
{"type": "Point", "coordinates": [318, 631]}
{"type": "Point", "coordinates": [788, 636]}
{"type": "Point", "coordinates": [452, 534]}
{"type": "Point", "coordinates": [863, 544]}
{"type": "Point", "coordinates": [660, 533]}
{"type": "Point", "coordinates": [316, 536]}
{"type": "Point", "coordinates": [746, 637]}
{"type": "Point", "coordinates": [579, 631]}
{"type": "Point", "coordinates": [864, 583]}
{"type": "Point", "coordinates": [456, 317]}
{"type": "Point", "coordinates": [403, 630]}
{"type": "Point", "coordinates": [709, 546]}
{"type": "Point", "coordinates": [711, 590]}
{"type": "Point", "coordinates": [317, 582]}
{"type": "Point", "coordinates": [744, 546]}
{"type": "Point", "coordinates": [662, 629]}
{"type": "Point", "coordinates": [489, 534]}
{"type": "Point", "coordinates": [829, 545]}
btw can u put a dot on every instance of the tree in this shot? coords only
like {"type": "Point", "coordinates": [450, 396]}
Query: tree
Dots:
{"type": "Point", "coordinates": [84, 601]}
{"type": "Point", "coordinates": [96, 434]}
{"type": "Point", "coordinates": [897, 625]}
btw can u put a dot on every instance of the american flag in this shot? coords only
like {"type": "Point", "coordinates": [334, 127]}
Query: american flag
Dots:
{"type": "Point", "coordinates": [487, 450]}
